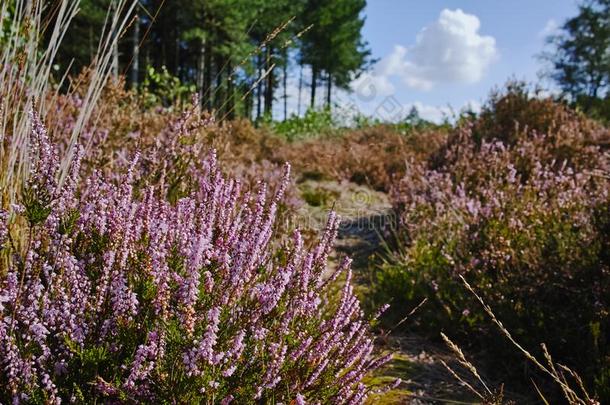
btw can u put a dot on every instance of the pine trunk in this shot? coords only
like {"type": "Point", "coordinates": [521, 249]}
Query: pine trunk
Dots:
{"type": "Point", "coordinates": [200, 70]}
{"type": "Point", "coordinates": [314, 79]}
{"type": "Point", "coordinates": [269, 87]}
{"type": "Point", "coordinates": [329, 87]}
{"type": "Point", "coordinates": [230, 96]}
{"type": "Point", "coordinates": [219, 90]}
{"type": "Point", "coordinates": [115, 49]}
{"type": "Point", "coordinates": [135, 63]}
{"type": "Point", "coordinates": [248, 105]}
{"type": "Point", "coordinates": [259, 87]}
{"type": "Point", "coordinates": [285, 85]}
{"type": "Point", "coordinates": [300, 90]}
{"type": "Point", "coordinates": [207, 76]}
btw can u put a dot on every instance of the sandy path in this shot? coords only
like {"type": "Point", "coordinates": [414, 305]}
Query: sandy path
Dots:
{"type": "Point", "coordinates": [365, 214]}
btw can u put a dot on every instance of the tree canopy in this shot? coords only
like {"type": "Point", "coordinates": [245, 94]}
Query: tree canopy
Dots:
{"type": "Point", "coordinates": [581, 58]}
{"type": "Point", "coordinates": [236, 52]}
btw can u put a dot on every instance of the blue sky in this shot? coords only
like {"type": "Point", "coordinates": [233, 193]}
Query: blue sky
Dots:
{"type": "Point", "coordinates": [437, 53]}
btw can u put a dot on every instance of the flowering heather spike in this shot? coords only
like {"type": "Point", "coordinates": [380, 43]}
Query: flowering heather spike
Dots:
{"type": "Point", "coordinates": [44, 160]}
{"type": "Point", "coordinates": [381, 311]}
{"type": "Point", "coordinates": [145, 359]}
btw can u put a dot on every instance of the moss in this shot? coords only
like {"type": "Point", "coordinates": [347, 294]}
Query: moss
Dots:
{"type": "Point", "coordinates": [319, 197]}
{"type": "Point", "coordinates": [399, 367]}
{"type": "Point", "coordinates": [397, 396]}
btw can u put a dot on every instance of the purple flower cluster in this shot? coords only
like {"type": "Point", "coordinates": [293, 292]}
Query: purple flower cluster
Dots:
{"type": "Point", "coordinates": [119, 294]}
{"type": "Point", "coordinates": [520, 187]}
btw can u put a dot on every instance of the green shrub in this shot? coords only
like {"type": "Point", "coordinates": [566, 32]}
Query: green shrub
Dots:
{"type": "Point", "coordinates": [314, 123]}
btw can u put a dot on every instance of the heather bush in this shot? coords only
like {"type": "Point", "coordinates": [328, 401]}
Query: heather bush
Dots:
{"type": "Point", "coordinates": [526, 222]}
{"type": "Point", "coordinates": [372, 156]}
{"type": "Point", "coordinates": [173, 142]}
{"type": "Point", "coordinates": [116, 294]}
{"type": "Point", "coordinates": [519, 110]}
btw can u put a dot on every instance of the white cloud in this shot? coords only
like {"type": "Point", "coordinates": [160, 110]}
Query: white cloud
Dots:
{"type": "Point", "coordinates": [450, 50]}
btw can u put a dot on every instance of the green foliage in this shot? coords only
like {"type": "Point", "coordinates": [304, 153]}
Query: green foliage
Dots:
{"type": "Point", "coordinates": [598, 108]}
{"type": "Point", "coordinates": [67, 223]}
{"type": "Point", "coordinates": [36, 202]}
{"type": "Point", "coordinates": [162, 88]}
{"type": "Point", "coordinates": [411, 123]}
{"type": "Point", "coordinates": [7, 11]}
{"type": "Point", "coordinates": [314, 123]}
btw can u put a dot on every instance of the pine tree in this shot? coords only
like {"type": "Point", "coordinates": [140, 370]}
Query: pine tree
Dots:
{"type": "Point", "coordinates": [581, 61]}
{"type": "Point", "coordinates": [334, 47]}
